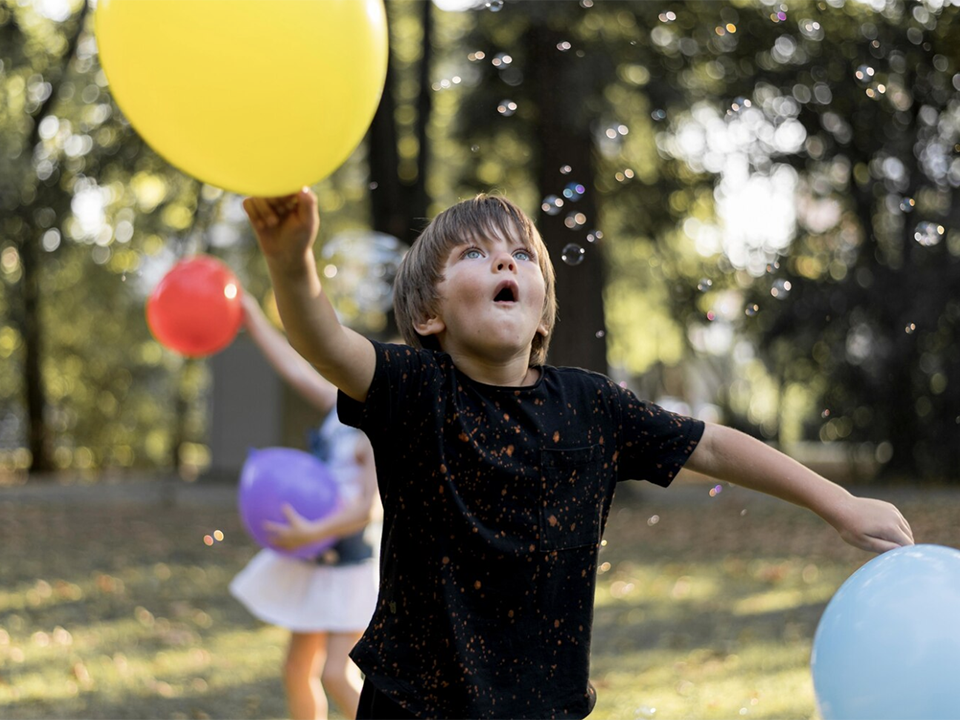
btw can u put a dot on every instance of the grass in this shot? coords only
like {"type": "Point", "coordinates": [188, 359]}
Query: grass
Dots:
{"type": "Point", "coordinates": [706, 607]}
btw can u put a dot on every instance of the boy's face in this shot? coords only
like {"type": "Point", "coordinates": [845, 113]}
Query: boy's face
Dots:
{"type": "Point", "coordinates": [491, 300]}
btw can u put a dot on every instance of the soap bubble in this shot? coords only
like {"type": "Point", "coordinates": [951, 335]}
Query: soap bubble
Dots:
{"type": "Point", "coordinates": [928, 234]}
{"type": "Point", "coordinates": [551, 205]}
{"type": "Point", "coordinates": [781, 288]}
{"type": "Point", "coordinates": [574, 191]}
{"type": "Point", "coordinates": [864, 74]}
{"type": "Point", "coordinates": [573, 254]}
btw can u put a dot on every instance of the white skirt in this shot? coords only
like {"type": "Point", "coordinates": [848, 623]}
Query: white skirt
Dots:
{"type": "Point", "coordinates": [305, 597]}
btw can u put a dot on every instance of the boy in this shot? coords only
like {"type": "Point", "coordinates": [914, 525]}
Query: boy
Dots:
{"type": "Point", "coordinates": [496, 471]}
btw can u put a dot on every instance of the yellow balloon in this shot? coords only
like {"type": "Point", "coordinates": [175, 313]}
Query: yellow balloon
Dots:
{"type": "Point", "coordinates": [259, 97]}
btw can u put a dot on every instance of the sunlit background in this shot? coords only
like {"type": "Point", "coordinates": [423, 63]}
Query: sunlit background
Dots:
{"type": "Point", "coordinates": [751, 207]}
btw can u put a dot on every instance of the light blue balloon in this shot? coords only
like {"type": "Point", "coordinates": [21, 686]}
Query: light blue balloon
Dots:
{"type": "Point", "coordinates": [888, 644]}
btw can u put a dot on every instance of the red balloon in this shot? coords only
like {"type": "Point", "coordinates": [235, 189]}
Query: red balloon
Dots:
{"type": "Point", "coordinates": [195, 309]}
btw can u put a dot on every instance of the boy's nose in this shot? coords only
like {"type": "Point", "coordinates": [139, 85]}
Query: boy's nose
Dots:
{"type": "Point", "coordinates": [505, 262]}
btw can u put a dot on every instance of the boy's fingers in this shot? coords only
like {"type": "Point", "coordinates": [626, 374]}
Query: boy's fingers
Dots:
{"type": "Point", "coordinates": [269, 215]}
{"type": "Point", "coordinates": [287, 202]}
{"type": "Point", "coordinates": [878, 545]}
{"type": "Point", "coordinates": [270, 212]}
{"type": "Point", "coordinates": [263, 209]}
{"type": "Point", "coordinates": [889, 541]}
{"type": "Point", "coordinates": [907, 530]}
{"type": "Point", "coordinates": [250, 206]}
{"type": "Point", "coordinates": [282, 205]}
{"type": "Point", "coordinates": [267, 211]}
{"type": "Point", "coordinates": [306, 204]}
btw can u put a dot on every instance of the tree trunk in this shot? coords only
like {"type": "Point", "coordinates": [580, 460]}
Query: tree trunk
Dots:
{"type": "Point", "coordinates": [564, 139]}
{"type": "Point", "coordinates": [399, 208]}
{"type": "Point", "coordinates": [386, 192]}
{"type": "Point", "coordinates": [31, 329]}
{"type": "Point", "coordinates": [38, 435]}
{"type": "Point", "coordinates": [417, 209]}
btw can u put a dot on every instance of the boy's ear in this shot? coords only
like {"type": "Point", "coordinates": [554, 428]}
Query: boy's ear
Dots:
{"type": "Point", "coordinates": [542, 329]}
{"type": "Point", "coordinates": [430, 325]}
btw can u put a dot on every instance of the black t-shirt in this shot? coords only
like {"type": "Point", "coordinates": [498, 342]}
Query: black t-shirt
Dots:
{"type": "Point", "coordinates": [495, 499]}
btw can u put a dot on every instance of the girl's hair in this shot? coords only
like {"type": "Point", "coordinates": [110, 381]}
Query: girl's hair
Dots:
{"type": "Point", "coordinates": [485, 216]}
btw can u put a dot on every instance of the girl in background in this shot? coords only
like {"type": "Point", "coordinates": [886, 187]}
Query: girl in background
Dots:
{"type": "Point", "coordinates": [327, 603]}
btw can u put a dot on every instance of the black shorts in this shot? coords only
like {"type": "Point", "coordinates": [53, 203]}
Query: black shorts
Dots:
{"type": "Point", "coordinates": [375, 705]}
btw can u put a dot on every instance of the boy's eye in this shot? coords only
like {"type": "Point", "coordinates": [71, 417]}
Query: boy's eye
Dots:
{"type": "Point", "coordinates": [523, 255]}
{"type": "Point", "coordinates": [472, 253]}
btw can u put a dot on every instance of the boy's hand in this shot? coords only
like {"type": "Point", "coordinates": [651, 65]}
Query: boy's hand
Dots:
{"type": "Point", "coordinates": [286, 227]}
{"type": "Point", "coordinates": [873, 525]}
{"type": "Point", "coordinates": [297, 532]}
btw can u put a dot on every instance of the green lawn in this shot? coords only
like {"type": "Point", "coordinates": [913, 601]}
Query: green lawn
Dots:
{"type": "Point", "coordinates": [706, 607]}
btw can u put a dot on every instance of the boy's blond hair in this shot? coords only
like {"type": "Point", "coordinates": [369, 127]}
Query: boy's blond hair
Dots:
{"type": "Point", "coordinates": [415, 289]}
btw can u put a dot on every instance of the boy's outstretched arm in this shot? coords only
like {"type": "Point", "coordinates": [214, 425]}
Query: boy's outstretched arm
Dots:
{"type": "Point", "coordinates": [286, 229]}
{"type": "Point", "coordinates": [866, 523]}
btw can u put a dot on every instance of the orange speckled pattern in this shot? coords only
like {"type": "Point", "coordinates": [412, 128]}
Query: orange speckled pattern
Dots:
{"type": "Point", "coordinates": [495, 499]}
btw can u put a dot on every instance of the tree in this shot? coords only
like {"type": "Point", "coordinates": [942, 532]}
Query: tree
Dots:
{"type": "Point", "coordinates": [88, 208]}
{"type": "Point", "coordinates": [544, 73]}
{"type": "Point", "coordinates": [27, 229]}
{"type": "Point", "coordinates": [871, 302]}
{"type": "Point", "coordinates": [399, 199]}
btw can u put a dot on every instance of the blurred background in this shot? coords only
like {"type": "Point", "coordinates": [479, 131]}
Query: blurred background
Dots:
{"type": "Point", "coordinates": [752, 210]}
{"type": "Point", "coordinates": [751, 207]}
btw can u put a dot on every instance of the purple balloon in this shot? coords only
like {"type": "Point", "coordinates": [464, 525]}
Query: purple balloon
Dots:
{"type": "Point", "coordinates": [274, 477]}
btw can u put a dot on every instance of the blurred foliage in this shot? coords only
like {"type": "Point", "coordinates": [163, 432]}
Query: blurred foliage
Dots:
{"type": "Point", "coordinates": [105, 218]}
{"type": "Point", "coordinates": [776, 195]}
{"type": "Point", "coordinates": [70, 195]}
{"type": "Point", "coordinates": [768, 190]}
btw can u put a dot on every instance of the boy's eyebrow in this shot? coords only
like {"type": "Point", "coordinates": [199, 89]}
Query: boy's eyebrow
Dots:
{"type": "Point", "coordinates": [490, 238]}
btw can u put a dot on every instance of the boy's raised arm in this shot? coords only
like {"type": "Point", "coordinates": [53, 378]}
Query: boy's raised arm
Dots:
{"type": "Point", "coordinates": [866, 523]}
{"type": "Point", "coordinates": [286, 229]}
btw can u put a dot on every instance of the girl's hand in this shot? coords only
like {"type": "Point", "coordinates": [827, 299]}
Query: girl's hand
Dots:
{"type": "Point", "coordinates": [286, 227]}
{"type": "Point", "coordinates": [872, 525]}
{"type": "Point", "coordinates": [298, 531]}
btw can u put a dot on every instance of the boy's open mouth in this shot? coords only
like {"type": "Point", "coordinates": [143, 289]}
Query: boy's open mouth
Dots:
{"type": "Point", "coordinates": [507, 291]}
